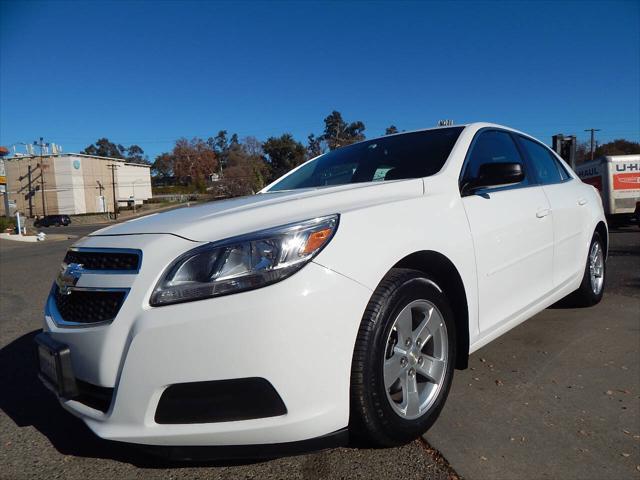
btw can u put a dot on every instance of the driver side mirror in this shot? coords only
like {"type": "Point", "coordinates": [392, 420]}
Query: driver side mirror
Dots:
{"type": "Point", "coordinates": [493, 175]}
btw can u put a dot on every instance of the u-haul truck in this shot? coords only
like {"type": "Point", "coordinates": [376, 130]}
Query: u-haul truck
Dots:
{"type": "Point", "coordinates": [617, 177]}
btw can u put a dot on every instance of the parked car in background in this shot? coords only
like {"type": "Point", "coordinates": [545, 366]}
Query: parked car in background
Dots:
{"type": "Point", "coordinates": [617, 178]}
{"type": "Point", "coordinates": [337, 301]}
{"type": "Point", "coordinates": [55, 220]}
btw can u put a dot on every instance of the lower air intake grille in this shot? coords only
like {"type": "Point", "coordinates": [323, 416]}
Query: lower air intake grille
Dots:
{"type": "Point", "coordinates": [98, 398]}
{"type": "Point", "coordinates": [89, 306]}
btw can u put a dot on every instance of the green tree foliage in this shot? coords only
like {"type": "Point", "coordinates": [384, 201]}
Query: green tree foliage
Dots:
{"type": "Point", "coordinates": [220, 145]}
{"type": "Point", "coordinates": [338, 133]}
{"type": "Point", "coordinates": [135, 154]}
{"type": "Point", "coordinates": [314, 146]}
{"type": "Point", "coordinates": [283, 153]}
{"type": "Point", "coordinates": [163, 165]}
{"type": "Point", "coordinates": [617, 147]}
{"type": "Point", "coordinates": [104, 148]}
{"type": "Point", "coordinates": [391, 129]}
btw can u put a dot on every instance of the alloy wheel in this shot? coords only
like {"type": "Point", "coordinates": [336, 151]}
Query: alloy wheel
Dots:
{"type": "Point", "coordinates": [416, 357]}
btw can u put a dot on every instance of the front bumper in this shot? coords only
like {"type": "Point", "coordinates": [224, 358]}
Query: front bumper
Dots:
{"type": "Point", "coordinates": [297, 334]}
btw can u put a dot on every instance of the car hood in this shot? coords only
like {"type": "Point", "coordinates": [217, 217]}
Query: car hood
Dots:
{"type": "Point", "coordinates": [226, 218]}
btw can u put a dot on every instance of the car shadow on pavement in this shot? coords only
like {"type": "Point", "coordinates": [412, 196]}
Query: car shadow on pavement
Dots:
{"type": "Point", "coordinates": [28, 403]}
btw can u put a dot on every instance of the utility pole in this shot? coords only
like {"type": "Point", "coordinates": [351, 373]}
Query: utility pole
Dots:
{"type": "Point", "coordinates": [113, 167]}
{"type": "Point", "coordinates": [592, 130]}
{"type": "Point", "coordinates": [42, 145]}
{"type": "Point", "coordinates": [30, 192]}
{"type": "Point", "coordinates": [44, 206]}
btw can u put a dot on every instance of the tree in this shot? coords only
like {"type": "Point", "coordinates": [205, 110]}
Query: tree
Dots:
{"type": "Point", "coordinates": [246, 170]}
{"type": "Point", "coordinates": [135, 154]}
{"type": "Point", "coordinates": [583, 152]}
{"type": "Point", "coordinates": [314, 146]}
{"type": "Point", "coordinates": [338, 133]}
{"type": "Point", "coordinates": [391, 129]}
{"type": "Point", "coordinates": [104, 148]}
{"type": "Point", "coordinates": [283, 153]}
{"type": "Point", "coordinates": [163, 165]}
{"type": "Point", "coordinates": [194, 161]}
{"type": "Point", "coordinates": [619, 146]}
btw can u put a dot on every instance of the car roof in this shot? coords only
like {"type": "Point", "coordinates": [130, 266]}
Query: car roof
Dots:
{"type": "Point", "coordinates": [473, 125]}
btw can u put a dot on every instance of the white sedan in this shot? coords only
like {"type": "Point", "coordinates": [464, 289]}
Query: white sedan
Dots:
{"type": "Point", "coordinates": [339, 299]}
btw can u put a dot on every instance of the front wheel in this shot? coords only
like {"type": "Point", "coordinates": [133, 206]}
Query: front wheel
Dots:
{"type": "Point", "coordinates": [403, 361]}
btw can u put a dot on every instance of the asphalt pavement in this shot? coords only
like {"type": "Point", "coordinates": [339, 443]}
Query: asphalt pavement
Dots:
{"type": "Point", "coordinates": [38, 439]}
{"type": "Point", "coordinates": [557, 397]}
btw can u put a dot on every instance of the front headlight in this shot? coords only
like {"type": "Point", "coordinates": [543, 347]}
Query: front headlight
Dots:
{"type": "Point", "coordinates": [243, 263]}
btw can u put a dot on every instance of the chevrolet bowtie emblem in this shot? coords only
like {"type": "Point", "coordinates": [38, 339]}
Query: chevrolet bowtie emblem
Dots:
{"type": "Point", "coordinates": [68, 277]}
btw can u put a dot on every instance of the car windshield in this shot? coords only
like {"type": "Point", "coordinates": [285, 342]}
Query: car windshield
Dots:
{"type": "Point", "coordinates": [395, 157]}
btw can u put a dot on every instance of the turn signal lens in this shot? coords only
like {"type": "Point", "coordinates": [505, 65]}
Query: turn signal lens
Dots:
{"type": "Point", "coordinates": [317, 240]}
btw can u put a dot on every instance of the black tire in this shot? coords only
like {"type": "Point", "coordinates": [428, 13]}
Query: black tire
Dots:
{"type": "Point", "coordinates": [373, 419]}
{"type": "Point", "coordinates": [585, 296]}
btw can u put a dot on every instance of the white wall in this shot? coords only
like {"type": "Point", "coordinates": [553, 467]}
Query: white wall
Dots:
{"type": "Point", "coordinates": [133, 181]}
{"type": "Point", "coordinates": [70, 185]}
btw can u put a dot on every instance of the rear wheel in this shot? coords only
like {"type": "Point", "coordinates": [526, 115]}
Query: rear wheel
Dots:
{"type": "Point", "coordinates": [592, 287]}
{"type": "Point", "coordinates": [403, 361]}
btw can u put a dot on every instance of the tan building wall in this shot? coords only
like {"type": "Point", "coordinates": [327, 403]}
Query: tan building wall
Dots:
{"type": "Point", "coordinates": [73, 184]}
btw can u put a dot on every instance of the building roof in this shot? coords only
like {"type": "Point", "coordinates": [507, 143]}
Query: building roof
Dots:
{"type": "Point", "coordinates": [56, 155]}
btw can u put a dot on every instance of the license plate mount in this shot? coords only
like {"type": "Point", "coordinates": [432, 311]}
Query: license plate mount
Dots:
{"type": "Point", "coordinates": [54, 366]}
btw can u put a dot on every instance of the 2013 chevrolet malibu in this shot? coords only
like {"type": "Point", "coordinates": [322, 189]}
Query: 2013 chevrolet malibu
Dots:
{"type": "Point", "coordinates": [342, 296]}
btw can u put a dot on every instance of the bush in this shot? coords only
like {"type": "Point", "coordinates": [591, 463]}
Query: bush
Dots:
{"type": "Point", "coordinates": [6, 223]}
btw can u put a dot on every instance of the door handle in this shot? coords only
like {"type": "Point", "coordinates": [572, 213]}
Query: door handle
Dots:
{"type": "Point", "coordinates": [543, 212]}
{"type": "Point", "coordinates": [582, 201]}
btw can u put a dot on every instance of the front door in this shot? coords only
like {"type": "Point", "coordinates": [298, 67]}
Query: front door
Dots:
{"type": "Point", "coordinates": [512, 230]}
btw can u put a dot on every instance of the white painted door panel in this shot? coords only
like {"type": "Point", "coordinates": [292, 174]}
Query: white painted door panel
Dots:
{"type": "Point", "coordinates": [570, 216]}
{"type": "Point", "coordinates": [512, 232]}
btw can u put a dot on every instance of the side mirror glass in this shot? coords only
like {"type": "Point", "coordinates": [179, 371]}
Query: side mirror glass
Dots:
{"type": "Point", "coordinates": [493, 175]}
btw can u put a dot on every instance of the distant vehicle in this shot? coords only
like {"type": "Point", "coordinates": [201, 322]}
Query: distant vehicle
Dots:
{"type": "Point", "coordinates": [50, 220]}
{"type": "Point", "coordinates": [340, 299]}
{"type": "Point", "coordinates": [617, 178]}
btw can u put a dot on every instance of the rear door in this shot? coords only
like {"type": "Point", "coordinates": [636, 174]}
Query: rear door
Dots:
{"type": "Point", "coordinates": [512, 232]}
{"type": "Point", "coordinates": [570, 212]}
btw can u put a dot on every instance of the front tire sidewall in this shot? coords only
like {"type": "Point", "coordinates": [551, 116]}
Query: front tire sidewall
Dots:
{"type": "Point", "coordinates": [395, 428]}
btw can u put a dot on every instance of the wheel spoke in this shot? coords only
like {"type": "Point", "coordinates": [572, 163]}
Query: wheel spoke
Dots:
{"type": "Point", "coordinates": [431, 368]}
{"type": "Point", "coordinates": [392, 370]}
{"type": "Point", "coordinates": [410, 397]}
{"type": "Point", "coordinates": [404, 325]}
{"type": "Point", "coordinates": [425, 330]}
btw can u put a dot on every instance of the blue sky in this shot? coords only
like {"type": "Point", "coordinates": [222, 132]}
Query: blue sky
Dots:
{"type": "Point", "coordinates": [148, 73]}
